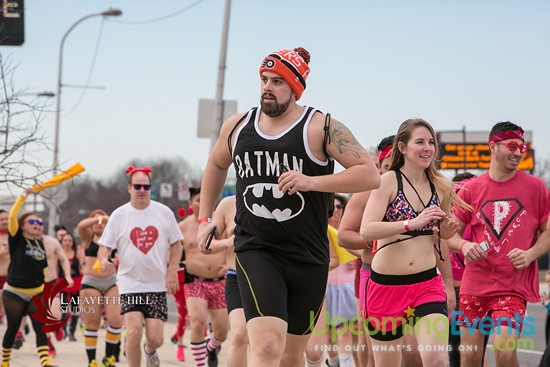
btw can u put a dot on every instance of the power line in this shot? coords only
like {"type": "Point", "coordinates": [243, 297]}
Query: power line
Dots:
{"type": "Point", "coordinates": [92, 67]}
{"type": "Point", "coordinates": [154, 20]}
{"type": "Point", "coordinates": [90, 72]}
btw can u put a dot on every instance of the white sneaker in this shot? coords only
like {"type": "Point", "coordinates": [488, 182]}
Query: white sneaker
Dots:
{"type": "Point", "coordinates": [152, 359]}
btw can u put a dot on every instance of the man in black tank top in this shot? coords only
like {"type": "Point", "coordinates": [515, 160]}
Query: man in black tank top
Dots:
{"type": "Point", "coordinates": [282, 153]}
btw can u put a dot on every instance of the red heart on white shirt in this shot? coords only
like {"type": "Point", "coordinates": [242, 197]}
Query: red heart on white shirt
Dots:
{"type": "Point", "coordinates": [145, 239]}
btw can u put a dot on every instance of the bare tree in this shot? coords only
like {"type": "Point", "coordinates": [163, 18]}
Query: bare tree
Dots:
{"type": "Point", "coordinates": [21, 138]}
{"type": "Point", "coordinates": [110, 193]}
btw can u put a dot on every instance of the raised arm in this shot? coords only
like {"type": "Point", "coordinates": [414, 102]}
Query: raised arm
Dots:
{"type": "Point", "coordinates": [84, 228]}
{"type": "Point", "coordinates": [13, 225]}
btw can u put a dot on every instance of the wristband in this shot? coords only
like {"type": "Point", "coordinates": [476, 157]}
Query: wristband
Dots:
{"type": "Point", "coordinates": [406, 225]}
{"type": "Point", "coordinates": [461, 245]}
{"type": "Point", "coordinates": [205, 220]}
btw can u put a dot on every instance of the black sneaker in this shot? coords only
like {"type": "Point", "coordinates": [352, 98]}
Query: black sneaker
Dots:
{"type": "Point", "coordinates": [18, 342]}
{"type": "Point", "coordinates": [212, 355]}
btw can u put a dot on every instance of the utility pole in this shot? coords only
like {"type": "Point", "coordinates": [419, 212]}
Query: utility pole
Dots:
{"type": "Point", "coordinates": [218, 102]}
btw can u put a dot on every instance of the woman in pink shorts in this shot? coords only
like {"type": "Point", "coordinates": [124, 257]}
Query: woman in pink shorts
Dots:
{"type": "Point", "coordinates": [407, 216]}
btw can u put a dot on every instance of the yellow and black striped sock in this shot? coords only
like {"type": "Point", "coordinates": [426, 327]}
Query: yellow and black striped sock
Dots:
{"type": "Point", "coordinates": [111, 340]}
{"type": "Point", "coordinates": [43, 355]}
{"type": "Point", "coordinates": [90, 342]}
{"type": "Point", "coordinates": [6, 354]}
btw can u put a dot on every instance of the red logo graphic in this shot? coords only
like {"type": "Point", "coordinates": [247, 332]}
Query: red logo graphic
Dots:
{"type": "Point", "coordinates": [144, 240]}
{"type": "Point", "coordinates": [44, 304]}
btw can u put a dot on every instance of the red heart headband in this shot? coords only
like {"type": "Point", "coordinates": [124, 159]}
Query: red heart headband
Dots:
{"type": "Point", "coordinates": [183, 213]}
{"type": "Point", "coordinates": [131, 170]}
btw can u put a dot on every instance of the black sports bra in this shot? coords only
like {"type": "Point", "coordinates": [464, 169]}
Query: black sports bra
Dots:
{"type": "Point", "coordinates": [92, 249]}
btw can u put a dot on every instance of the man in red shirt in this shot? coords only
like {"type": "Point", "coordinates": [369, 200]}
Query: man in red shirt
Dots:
{"type": "Point", "coordinates": [509, 207]}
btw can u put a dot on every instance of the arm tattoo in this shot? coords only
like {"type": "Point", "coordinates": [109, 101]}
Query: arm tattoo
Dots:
{"type": "Point", "coordinates": [344, 140]}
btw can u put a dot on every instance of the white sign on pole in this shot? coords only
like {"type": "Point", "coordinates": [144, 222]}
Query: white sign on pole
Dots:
{"type": "Point", "coordinates": [183, 191]}
{"type": "Point", "coordinates": [206, 115]}
{"type": "Point", "coordinates": [165, 190]}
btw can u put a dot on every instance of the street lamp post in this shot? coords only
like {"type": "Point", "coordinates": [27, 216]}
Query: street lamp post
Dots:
{"type": "Point", "coordinates": [107, 13]}
{"type": "Point", "coordinates": [52, 218]}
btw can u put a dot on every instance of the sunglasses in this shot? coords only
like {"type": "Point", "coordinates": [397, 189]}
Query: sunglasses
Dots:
{"type": "Point", "coordinates": [513, 146]}
{"type": "Point", "coordinates": [138, 187]}
{"type": "Point", "coordinates": [35, 221]}
{"type": "Point", "coordinates": [339, 206]}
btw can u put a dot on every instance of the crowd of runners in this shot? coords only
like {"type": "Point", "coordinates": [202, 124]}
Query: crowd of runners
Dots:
{"type": "Point", "coordinates": [412, 269]}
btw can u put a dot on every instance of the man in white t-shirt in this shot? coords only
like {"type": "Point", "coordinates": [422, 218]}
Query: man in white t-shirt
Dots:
{"type": "Point", "coordinates": [145, 233]}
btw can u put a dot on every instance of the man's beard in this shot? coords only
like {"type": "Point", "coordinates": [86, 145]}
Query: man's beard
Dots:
{"type": "Point", "coordinates": [274, 109]}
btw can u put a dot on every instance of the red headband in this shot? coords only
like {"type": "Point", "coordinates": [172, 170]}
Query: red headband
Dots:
{"type": "Point", "coordinates": [385, 153]}
{"type": "Point", "coordinates": [510, 134]}
{"type": "Point", "coordinates": [131, 170]}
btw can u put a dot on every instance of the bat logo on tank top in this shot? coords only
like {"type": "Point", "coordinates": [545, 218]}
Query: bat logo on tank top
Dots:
{"type": "Point", "coordinates": [500, 214]}
{"type": "Point", "coordinates": [265, 200]}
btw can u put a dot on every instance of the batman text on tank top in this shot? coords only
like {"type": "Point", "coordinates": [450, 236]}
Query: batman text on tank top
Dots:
{"type": "Point", "coordinates": [295, 225]}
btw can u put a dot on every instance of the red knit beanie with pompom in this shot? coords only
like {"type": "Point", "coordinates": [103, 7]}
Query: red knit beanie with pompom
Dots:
{"type": "Point", "coordinates": [291, 65]}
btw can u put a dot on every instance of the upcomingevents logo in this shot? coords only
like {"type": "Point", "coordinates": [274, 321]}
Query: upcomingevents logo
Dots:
{"type": "Point", "coordinates": [44, 302]}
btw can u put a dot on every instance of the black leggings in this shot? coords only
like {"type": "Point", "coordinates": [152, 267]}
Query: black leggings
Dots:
{"type": "Point", "coordinates": [15, 309]}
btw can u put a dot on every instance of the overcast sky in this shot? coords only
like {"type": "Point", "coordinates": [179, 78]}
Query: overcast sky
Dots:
{"type": "Point", "coordinates": [373, 65]}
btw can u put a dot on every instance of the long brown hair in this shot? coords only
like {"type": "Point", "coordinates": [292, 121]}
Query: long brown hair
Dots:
{"type": "Point", "coordinates": [441, 183]}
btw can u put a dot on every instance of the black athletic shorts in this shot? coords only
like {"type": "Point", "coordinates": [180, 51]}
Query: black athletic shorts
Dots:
{"type": "Point", "coordinates": [272, 285]}
{"type": "Point", "coordinates": [232, 294]}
